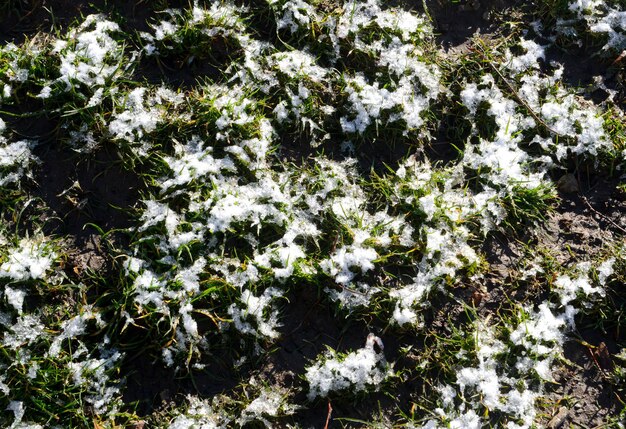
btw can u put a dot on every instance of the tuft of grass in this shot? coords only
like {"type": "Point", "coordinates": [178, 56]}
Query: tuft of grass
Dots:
{"type": "Point", "coordinates": [528, 206]}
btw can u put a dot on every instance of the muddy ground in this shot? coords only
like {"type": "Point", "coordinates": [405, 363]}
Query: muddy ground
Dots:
{"type": "Point", "coordinates": [590, 213]}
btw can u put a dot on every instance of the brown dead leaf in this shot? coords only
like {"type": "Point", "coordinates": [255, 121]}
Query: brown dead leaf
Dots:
{"type": "Point", "coordinates": [603, 357]}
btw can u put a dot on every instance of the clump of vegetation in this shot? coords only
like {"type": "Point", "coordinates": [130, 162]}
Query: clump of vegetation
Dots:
{"type": "Point", "coordinates": [255, 191]}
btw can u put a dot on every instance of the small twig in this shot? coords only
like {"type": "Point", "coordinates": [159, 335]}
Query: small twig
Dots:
{"type": "Point", "coordinates": [593, 356]}
{"type": "Point", "coordinates": [603, 216]}
{"type": "Point", "coordinates": [619, 59]}
{"type": "Point", "coordinates": [330, 411]}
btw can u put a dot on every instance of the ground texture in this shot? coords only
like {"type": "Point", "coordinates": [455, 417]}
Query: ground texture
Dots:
{"type": "Point", "coordinates": [310, 213]}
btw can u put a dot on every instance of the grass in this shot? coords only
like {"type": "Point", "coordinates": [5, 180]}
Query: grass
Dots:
{"type": "Point", "coordinates": [201, 272]}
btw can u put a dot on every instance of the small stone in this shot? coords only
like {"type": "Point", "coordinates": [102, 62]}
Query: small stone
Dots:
{"type": "Point", "coordinates": [558, 420]}
{"type": "Point", "coordinates": [568, 184]}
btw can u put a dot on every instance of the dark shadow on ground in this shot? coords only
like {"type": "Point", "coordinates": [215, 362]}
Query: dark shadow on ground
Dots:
{"type": "Point", "coordinates": [457, 21]}
{"type": "Point", "coordinates": [81, 190]}
{"type": "Point", "coordinates": [30, 16]}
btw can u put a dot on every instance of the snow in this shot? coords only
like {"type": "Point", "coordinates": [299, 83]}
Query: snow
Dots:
{"type": "Point", "coordinates": [257, 309]}
{"type": "Point", "coordinates": [359, 370]}
{"type": "Point", "coordinates": [228, 229]}
{"type": "Point", "coordinates": [31, 260]}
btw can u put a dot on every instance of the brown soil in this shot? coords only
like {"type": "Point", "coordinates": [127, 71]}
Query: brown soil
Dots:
{"type": "Point", "coordinates": [583, 388]}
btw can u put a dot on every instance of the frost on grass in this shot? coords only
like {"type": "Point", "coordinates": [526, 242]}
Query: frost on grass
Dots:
{"type": "Point", "coordinates": [446, 210]}
{"type": "Point", "coordinates": [19, 65]}
{"type": "Point", "coordinates": [269, 403]}
{"type": "Point", "coordinates": [257, 309]}
{"type": "Point", "coordinates": [526, 123]}
{"type": "Point", "coordinates": [294, 14]}
{"type": "Point", "coordinates": [28, 261]}
{"type": "Point", "coordinates": [575, 124]}
{"type": "Point", "coordinates": [17, 407]}
{"type": "Point", "coordinates": [39, 340]}
{"type": "Point", "coordinates": [90, 56]}
{"type": "Point", "coordinates": [413, 86]}
{"type": "Point", "coordinates": [396, 92]}
{"type": "Point", "coordinates": [36, 344]}
{"type": "Point", "coordinates": [201, 413]}
{"type": "Point", "coordinates": [25, 331]}
{"type": "Point", "coordinates": [16, 158]}
{"type": "Point", "coordinates": [138, 113]}
{"type": "Point", "coordinates": [227, 229]}
{"type": "Point", "coordinates": [93, 374]}
{"type": "Point", "coordinates": [358, 371]}
{"type": "Point", "coordinates": [292, 204]}
{"type": "Point", "coordinates": [511, 362]}
{"type": "Point", "coordinates": [603, 20]}
{"type": "Point", "coordinates": [193, 28]}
